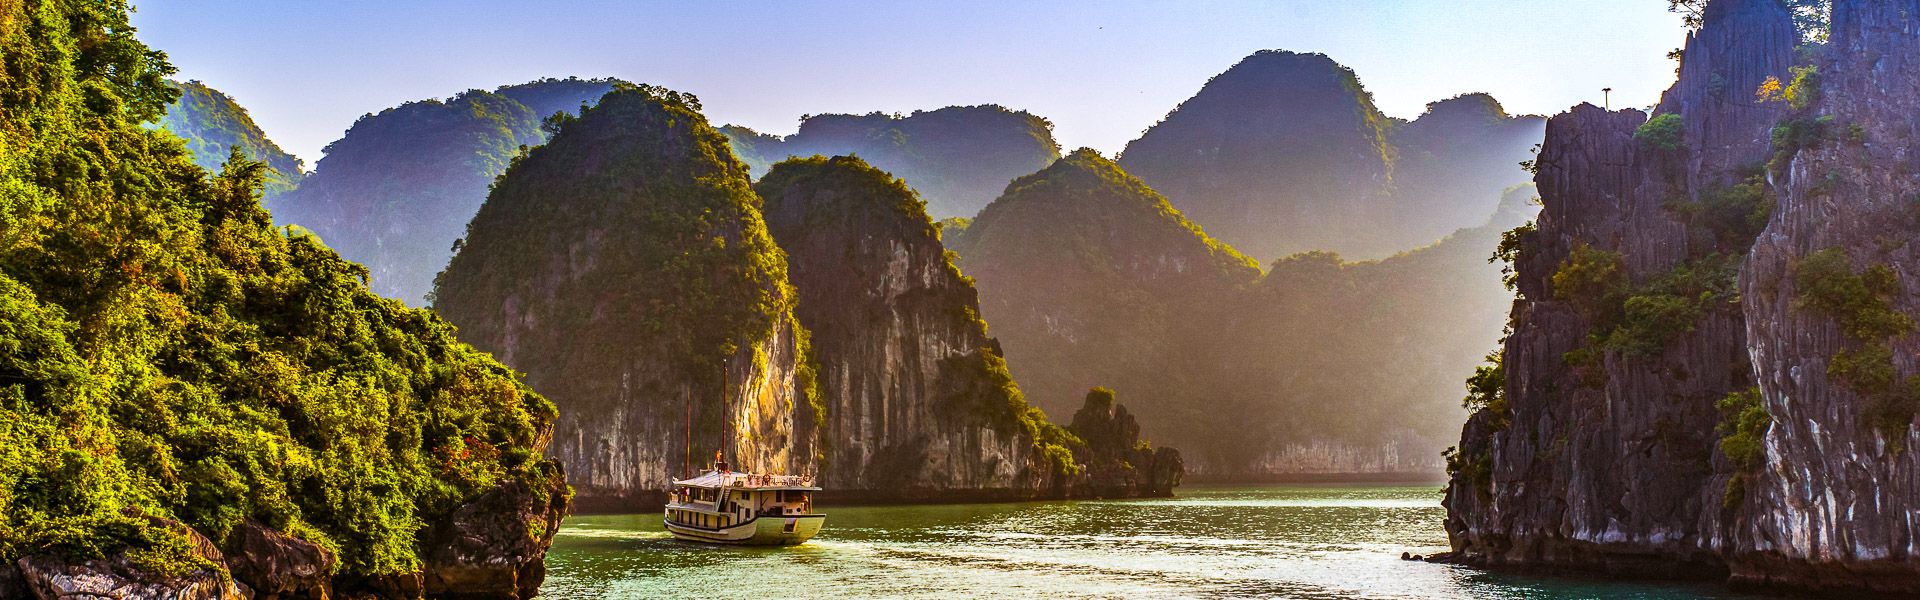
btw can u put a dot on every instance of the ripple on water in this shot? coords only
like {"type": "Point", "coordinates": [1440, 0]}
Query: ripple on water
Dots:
{"type": "Point", "coordinates": [1316, 542]}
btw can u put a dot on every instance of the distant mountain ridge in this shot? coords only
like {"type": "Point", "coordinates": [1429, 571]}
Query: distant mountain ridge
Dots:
{"type": "Point", "coordinates": [212, 124]}
{"type": "Point", "coordinates": [958, 158]}
{"type": "Point", "coordinates": [1089, 276]}
{"type": "Point", "coordinates": [396, 192]}
{"type": "Point", "coordinates": [1286, 152]}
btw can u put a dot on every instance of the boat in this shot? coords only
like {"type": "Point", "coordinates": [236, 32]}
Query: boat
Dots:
{"type": "Point", "coordinates": [746, 509]}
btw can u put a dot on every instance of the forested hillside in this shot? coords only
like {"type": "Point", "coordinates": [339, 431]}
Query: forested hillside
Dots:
{"type": "Point", "coordinates": [212, 125]}
{"type": "Point", "coordinates": [397, 191]}
{"type": "Point", "coordinates": [179, 378]}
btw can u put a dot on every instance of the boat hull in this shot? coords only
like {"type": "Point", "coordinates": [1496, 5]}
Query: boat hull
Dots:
{"type": "Point", "coordinates": [765, 530]}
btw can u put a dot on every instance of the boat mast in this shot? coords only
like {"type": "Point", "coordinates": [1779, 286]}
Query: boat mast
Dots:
{"type": "Point", "coordinates": [686, 462]}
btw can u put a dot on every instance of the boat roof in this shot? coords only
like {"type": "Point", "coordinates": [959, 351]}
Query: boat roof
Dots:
{"type": "Point", "coordinates": [751, 481]}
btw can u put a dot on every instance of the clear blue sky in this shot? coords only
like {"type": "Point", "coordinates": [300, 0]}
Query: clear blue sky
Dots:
{"type": "Point", "coordinates": [1101, 71]}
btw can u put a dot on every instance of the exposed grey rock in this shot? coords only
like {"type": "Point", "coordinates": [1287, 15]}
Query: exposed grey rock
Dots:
{"type": "Point", "coordinates": [50, 577]}
{"type": "Point", "coordinates": [276, 565]}
{"type": "Point", "coordinates": [495, 546]}
{"type": "Point", "coordinates": [1626, 478]}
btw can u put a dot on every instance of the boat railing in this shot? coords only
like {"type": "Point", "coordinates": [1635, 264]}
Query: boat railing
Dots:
{"type": "Point", "coordinates": [753, 480]}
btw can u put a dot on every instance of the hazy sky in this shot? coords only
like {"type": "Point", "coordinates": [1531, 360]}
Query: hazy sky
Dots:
{"type": "Point", "coordinates": [1101, 71]}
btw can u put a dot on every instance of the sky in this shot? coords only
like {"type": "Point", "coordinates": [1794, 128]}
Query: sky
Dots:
{"type": "Point", "coordinates": [1102, 72]}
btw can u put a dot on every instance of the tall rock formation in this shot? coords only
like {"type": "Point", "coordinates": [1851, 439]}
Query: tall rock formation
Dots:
{"type": "Point", "coordinates": [625, 268]}
{"type": "Point", "coordinates": [1369, 337]}
{"type": "Point", "coordinates": [396, 192]}
{"type": "Point", "coordinates": [1286, 152]}
{"type": "Point", "coordinates": [1832, 291]}
{"type": "Point", "coordinates": [958, 158]}
{"type": "Point", "coordinates": [213, 125]}
{"type": "Point", "coordinates": [1765, 435]}
{"type": "Point", "coordinates": [919, 404]}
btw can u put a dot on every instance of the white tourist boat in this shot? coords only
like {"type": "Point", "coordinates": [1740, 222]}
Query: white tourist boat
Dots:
{"type": "Point", "coordinates": [748, 509]}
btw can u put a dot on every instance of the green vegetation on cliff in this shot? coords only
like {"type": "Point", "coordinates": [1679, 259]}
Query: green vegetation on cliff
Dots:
{"type": "Point", "coordinates": [213, 124]}
{"type": "Point", "coordinates": [1862, 304]}
{"type": "Point", "coordinates": [622, 266]}
{"type": "Point", "coordinates": [166, 352]}
{"type": "Point", "coordinates": [396, 192]}
{"type": "Point", "coordinates": [850, 228]}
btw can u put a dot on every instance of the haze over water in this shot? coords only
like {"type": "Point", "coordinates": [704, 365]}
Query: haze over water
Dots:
{"type": "Point", "coordinates": [1313, 542]}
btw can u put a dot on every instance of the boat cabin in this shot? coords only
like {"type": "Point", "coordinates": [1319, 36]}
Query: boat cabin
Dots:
{"type": "Point", "coordinates": [718, 500]}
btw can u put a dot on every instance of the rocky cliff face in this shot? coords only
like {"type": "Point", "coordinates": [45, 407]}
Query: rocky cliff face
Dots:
{"type": "Point", "coordinates": [396, 192]}
{"type": "Point", "coordinates": [1831, 291]}
{"type": "Point", "coordinates": [958, 158]}
{"type": "Point", "coordinates": [1285, 152]}
{"type": "Point", "coordinates": [625, 268]}
{"type": "Point", "coordinates": [1119, 464]}
{"type": "Point", "coordinates": [1765, 435]}
{"type": "Point", "coordinates": [919, 404]}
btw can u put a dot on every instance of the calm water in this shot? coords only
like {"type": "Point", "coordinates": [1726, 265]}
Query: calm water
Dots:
{"type": "Point", "coordinates": [1211, 542]}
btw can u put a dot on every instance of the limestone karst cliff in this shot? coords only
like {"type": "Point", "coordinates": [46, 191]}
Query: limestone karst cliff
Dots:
{"type": "Point", "coordinates": [919, 404]}
{"type": "Point", "coordinates": [1711, 365]}
{"type": "Point", "coordinates": [625, 268]}
{"type": "Point", "coordinates": [197, 404]}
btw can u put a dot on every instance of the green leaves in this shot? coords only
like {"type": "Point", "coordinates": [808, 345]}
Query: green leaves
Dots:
{"type": "Point", "coordinates": [1664, 132]}
{"type": "Point", "coordinates": [1862, 303]}
{"type": "Point", "coordinates": [164, 352]}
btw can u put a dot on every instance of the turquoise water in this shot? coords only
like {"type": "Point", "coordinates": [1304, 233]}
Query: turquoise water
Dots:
{"type": "Point", "coordinates": [1315, 542]}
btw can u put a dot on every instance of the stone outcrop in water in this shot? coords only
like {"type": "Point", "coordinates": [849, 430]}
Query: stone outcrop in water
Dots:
{"type": "Point", "coordinates": [918, 400]}
{"type": "Point", "coordinates": [1119, 464]}
{"type": "Point", "coordinates": [624, 267]}
{"type": "Point", "coordinates": [1767, 434]}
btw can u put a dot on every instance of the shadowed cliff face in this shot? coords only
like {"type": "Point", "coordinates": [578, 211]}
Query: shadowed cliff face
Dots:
{"type": "Point", "coordinates": [625, 268]}
{"type": "Point", "coordinates": [1834, 504]}
{"type": "Point", "coordinates": [916, 396]}
{"type": "Point", "coordinates": [1766, 436]}
{"type": "Point", "coordinates": [918, 403]}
